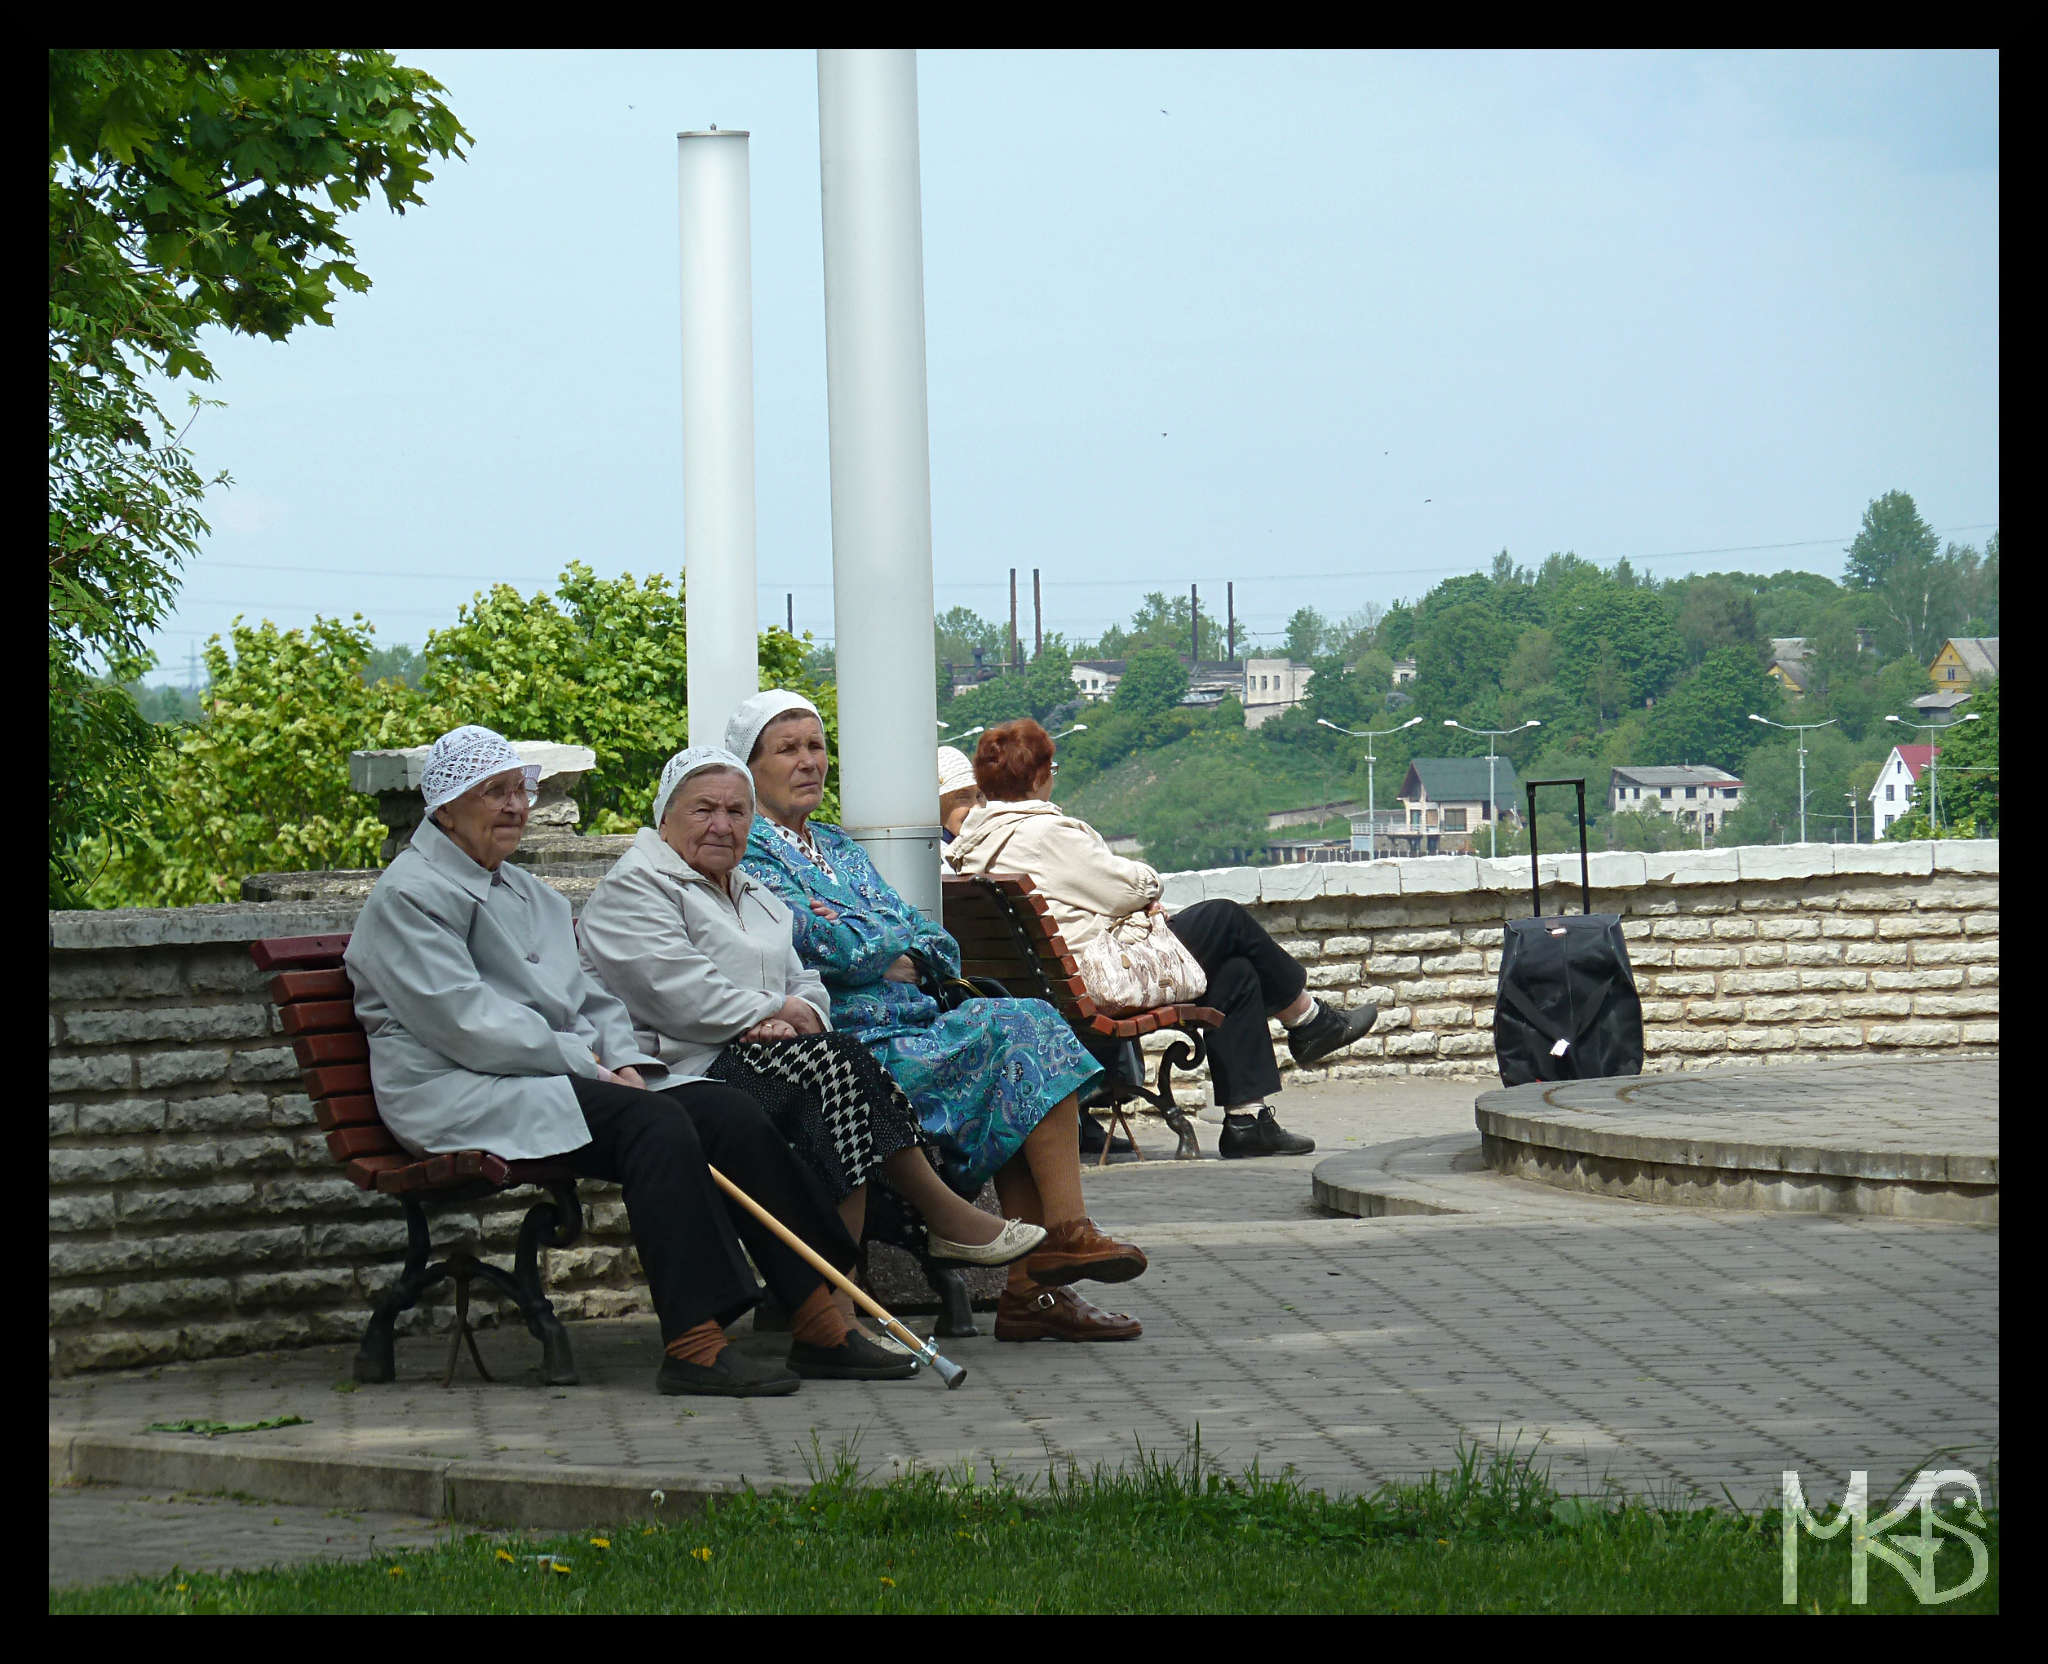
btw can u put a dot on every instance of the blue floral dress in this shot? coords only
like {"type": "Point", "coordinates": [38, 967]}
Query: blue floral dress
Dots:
{"type": "Point", "coordinates": [985, 1073]}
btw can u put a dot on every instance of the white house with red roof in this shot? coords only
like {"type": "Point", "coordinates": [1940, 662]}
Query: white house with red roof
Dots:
{"type": "Point", "coordinates": [1892, 796]}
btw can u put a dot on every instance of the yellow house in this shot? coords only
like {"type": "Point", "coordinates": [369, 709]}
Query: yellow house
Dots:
{"type": "Point", "coordinates": [1965, 661]}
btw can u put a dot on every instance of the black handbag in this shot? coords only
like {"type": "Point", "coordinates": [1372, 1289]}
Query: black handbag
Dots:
{"type": "Point", "coordinates": [950, 991]}
{"type": "Point", "coordinates": [1567, 1007]}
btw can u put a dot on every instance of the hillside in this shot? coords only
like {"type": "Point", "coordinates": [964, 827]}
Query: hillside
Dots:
{"type": "Point", "coordinates": [1266, 779]}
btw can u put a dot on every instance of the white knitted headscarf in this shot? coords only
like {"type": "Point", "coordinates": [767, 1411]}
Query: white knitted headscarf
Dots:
{"type": "Point", "coordinates": [463, 756]}
{"type": "Point", "coordinates": [696, 760]}
{"type": "Point", "coordinates": [956, 773]}
{"type": "Point", "coordinates": [757, 712]}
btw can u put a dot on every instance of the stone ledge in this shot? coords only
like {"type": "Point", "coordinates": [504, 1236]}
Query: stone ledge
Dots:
{"type": "Point", "coordinates": [330, 901]}
{"type": "Point", "coordinates": [540, 1495]}
{"type": "Point", "coordinates": [227, 922]}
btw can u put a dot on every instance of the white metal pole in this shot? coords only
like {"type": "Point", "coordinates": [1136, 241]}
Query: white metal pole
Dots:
{"type": "Point", "coordinates": [718, 427]}
{"type": "Point", "coordinates": [1372, 823]}
{"type": "Point", "coordinates": [881, 462]}
{"type": "Point", "coordinates": [1492, 808]}
{"type": "Point", "coordinates": [1802, 788]}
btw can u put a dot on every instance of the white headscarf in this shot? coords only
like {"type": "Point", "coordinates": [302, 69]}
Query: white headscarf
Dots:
{"type": "Point", "coordinates": [463, 756]}
{"type": "Point", "coordinates": [695, 760]}
{"type": "Point", "coordinates": [757, 712]}
{"type": "Point", "coordinates": [956, 773]}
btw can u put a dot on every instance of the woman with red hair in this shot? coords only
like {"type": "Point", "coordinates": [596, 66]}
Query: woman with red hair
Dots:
{"type": "Point", "coordinates": [1090, 890]}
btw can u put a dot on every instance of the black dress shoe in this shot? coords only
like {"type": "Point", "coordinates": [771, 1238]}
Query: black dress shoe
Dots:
{"type": "Point", "coordinates": [856, 1358]}
{"type": "Point", "coordinates": [734, 1375]}
{"type": "Point", "coordinates": [1329, 1030]}
{"type": "Point", "coordinates": [1094, 1135]}
{"type": "Point", "coordinates": [1245, 1135]}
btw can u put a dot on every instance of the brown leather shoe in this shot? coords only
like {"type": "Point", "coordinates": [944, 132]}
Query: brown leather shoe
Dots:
{"type": "Point", "coordinates": [1059, 1314]}
{"type": "Point", "coordinates": [1075, 1250]}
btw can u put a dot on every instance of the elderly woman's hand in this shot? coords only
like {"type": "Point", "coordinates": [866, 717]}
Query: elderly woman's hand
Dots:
{"type": "Point", "coordinates": [901, 969]}
{"type": "Point", "coordinates": [628, 1076]}
{"type": "Point", "coordinates": [826, 911]}
{"type": "Point", "coordinates": [770, 1028]}
{"type": "Point", "coordinates": [800, 1016]}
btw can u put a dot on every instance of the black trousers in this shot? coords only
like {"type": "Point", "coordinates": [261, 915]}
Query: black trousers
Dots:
{"type": "Point", "coordinates": [1251, 978]}
{"type": "Point", "coordinates": [657, 1145]}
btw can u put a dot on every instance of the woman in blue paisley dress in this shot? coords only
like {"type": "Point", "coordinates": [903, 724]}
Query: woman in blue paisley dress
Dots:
{"type": "Point", "coordinates": [999, 1077]}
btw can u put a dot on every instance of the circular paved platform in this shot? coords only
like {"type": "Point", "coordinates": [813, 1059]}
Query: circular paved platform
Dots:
{"type": "Point", "coordinates": [1910, 1139]}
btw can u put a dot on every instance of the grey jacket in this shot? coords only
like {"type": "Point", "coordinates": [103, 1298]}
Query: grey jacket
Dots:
{"type": "Point", "coordinates": [477, 1007]}
{"type": "Point", "coordinates": [695, 968]}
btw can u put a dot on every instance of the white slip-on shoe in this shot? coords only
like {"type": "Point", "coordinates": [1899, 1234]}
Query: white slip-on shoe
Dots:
{"type": "Point", "coordinates": [1012, 1242]}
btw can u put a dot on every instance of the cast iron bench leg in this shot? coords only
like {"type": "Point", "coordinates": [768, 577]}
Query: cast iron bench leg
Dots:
{"type": "Point", "coordinates": [375, 1358]}
{"type": "Point", "coordinates": [555, 1224]}
{"type": "Point", "coordinates": [1185, 1052]}
{"type": "Point", "coordinates": [956, 1310]}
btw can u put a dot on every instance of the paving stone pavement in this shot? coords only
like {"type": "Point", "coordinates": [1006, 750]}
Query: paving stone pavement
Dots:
{"type": "Point", "coordinates": [101, 1533]}
{"type": "Point", "coordinates": [1669, 1352]}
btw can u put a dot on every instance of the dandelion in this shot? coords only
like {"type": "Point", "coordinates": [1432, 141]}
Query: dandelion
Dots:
{"type": "Point", "coordinates": [181, 1588]}
{"type": "Point", "coordinates": [649, 1530]}
{"type": "Point", "coordinates": [502, 1555]}
{"type": "Point", "coordinates": [888, 1583]}
{"type": "Point", "coordinates": [558, 1566]}
{"type": "Point", "coordinates": [657, 1497]}
{"type": "Point", "coordinates": [1443, 1542]}
{"type": "Point", "coordinates": [703, 1554]}
{"type": "Point", "coordinates": [600, 1542]}
{"type": "Point", "coordinates": [397, 1571]}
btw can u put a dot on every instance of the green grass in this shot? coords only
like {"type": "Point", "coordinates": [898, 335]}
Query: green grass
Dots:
{"type": "Point", "coordinates": [1489, 1536]}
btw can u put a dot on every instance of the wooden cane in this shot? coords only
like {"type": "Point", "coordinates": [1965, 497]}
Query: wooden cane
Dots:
{"type": "Point", "coordinates": [946, 1370]}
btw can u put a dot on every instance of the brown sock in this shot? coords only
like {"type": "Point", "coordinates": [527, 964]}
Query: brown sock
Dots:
{"type": "Point", "coordinates": [699, 1344]}
{"type": "Point", "coordinates": [817, 1322]}
{"type": "Point", "coordinates": [1018, 1283]}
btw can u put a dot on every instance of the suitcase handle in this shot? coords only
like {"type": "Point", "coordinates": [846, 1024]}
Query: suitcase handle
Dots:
{"type": "Point", "coordinates": [1585, 866]}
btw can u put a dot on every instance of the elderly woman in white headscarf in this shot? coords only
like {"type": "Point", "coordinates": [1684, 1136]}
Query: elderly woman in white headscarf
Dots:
{"type": "Point", "coordinates": [702, 956]}
{"type": "Point", "coordinates": [999, 1077]}
{"type": "Point", "coordinates": [486, 1033]}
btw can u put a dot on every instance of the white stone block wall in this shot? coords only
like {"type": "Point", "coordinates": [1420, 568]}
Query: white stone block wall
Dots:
{"type": "Point", "coordinates": [1742, 956]}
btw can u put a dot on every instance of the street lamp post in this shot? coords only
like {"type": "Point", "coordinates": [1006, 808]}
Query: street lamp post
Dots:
{"type": "Point", "coordinates": [1933, 764]}
{"type": "Point", "coordinates": [1855, 833]}
{"type": "Point", "coordinates": [1372, 830]}
{"type": "Point", "coordinates": [1802, 729]}
{"type": "Point", "coordinates": [1492, 802]}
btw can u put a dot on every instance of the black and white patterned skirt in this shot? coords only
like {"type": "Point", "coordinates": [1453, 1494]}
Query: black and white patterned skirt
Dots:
{"type": "Point", "coordinates": [841, 1111]}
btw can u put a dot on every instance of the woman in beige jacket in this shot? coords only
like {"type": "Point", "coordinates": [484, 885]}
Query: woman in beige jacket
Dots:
{"type": "Point", "coordinates": [1089, 889]}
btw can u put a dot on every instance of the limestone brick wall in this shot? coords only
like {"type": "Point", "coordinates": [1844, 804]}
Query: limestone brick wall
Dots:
{"type": "Point", "coordinates": [1741, 956]}
{"type": "Point", "coordinates": [194, 1209]}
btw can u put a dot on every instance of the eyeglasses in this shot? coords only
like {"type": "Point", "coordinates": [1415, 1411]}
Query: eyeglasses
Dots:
{"type": "Point", "coordinates": [1055, 765]}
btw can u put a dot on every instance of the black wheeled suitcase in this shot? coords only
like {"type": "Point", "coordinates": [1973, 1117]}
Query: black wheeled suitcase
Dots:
{"type": "Point", "coordinates": [1568, 1007]}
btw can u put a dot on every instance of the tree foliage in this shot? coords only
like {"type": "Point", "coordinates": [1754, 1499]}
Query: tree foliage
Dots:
{"type": "Point", "coordinates": [262, 784]}
{"type": "Point", "coordinates": [187, 188]}
{"type": "Point", "coordinates": [1965, 774]}
{"type": "Point", "coordinates": [1897, 561]}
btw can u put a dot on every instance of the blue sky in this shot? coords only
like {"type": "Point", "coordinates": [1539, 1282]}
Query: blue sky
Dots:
{"type": "Point", "coordinates": [1330, 326]}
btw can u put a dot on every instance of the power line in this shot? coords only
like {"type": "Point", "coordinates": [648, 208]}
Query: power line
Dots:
{"type": "Point", "coordinates": [781, 585]}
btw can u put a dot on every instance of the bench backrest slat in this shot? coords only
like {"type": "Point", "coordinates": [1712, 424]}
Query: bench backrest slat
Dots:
{"type": "Point", "coordinates": [289, 987]}
{"type": "Point", "coordinates": [354, 1110]}
{"type": "Point", "coordinates": [319, 1017]}
{"type": "Point", "coordinates": [315, 1049]}
{"type": "Point", "coordinates": [287, 953]}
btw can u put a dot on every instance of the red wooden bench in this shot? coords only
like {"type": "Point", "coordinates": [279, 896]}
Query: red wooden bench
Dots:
{"type": "Point", "coordinates": [1006, 932]}
{"type": "Point", "coordinates": [316, 1005]}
